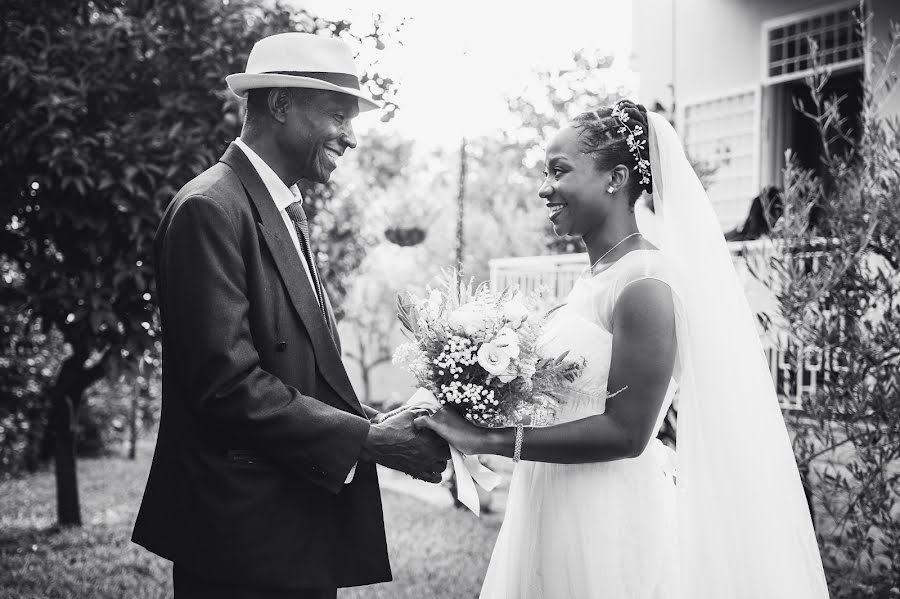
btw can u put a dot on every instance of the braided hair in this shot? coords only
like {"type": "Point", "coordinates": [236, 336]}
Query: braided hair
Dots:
{"type": "Point", "coordinates": [604, 135]}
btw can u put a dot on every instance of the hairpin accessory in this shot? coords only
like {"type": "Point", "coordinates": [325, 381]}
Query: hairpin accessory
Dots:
{"type": "Point", "coordinates": [635, 144]}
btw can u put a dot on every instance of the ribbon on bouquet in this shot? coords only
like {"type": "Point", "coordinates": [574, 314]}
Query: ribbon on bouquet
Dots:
{"type": "Point", "coordinates": [467, 467]}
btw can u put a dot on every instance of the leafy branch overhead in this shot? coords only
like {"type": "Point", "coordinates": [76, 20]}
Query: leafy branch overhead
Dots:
{"type": "Point", "coordinates": [92, 155]}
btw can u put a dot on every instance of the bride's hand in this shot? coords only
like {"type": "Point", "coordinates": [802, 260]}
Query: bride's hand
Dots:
{"type": "Point", "coordinates": [455, 429]}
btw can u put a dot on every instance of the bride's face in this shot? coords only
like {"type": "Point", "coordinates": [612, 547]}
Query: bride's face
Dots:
{"type": "Point", "coordinates": [573, 187]}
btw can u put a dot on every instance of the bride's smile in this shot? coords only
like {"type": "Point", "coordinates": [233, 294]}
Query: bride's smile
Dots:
{"type": "Point", "coordinates": [555, 209]}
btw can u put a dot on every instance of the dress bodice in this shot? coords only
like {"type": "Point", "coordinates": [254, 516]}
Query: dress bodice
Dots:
{"type": "Point", "coordinates": [583, 327]}
{"type": "Point", "coordinates": [597, 529]}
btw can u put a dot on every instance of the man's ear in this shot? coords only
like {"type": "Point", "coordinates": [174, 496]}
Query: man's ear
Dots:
{"type": "Point", "coordinates": [279, 102]}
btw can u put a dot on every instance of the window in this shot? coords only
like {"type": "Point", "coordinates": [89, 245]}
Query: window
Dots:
{"type": "Point", "coordinates": [837, 35]}
{"type": "Point", "coordinates": [720, 136]}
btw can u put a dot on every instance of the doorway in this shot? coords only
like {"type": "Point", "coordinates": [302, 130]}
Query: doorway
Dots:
{"type": "Point", "coordinates": [786, 128]}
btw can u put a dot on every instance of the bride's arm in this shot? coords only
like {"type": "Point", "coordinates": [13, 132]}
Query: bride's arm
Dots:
{"type": "Point", "coordinates": [643, 356]}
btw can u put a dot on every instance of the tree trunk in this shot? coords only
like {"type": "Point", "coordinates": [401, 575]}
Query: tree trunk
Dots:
{"type": "Point", "coordinates": [366, 384]}
{"type": "Point", "coordinates": [65, 397]}
{"type": "Point", "coordinates": [460, 208]}
{"type": "Point", "coordinates": [132, 424]}
{"type": "Point", "coordinates": [364, 367]}
{"type": "Point", "coordinates": [68, 509]}
{"type": "Point", "coordinates": [139, 390]}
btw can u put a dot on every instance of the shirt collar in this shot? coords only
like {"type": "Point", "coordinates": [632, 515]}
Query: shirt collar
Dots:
{"type": "Point", "coordinates": [282, 195]}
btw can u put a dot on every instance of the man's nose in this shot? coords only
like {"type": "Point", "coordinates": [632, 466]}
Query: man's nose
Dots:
{"type": "Point", "coordinates": [348, 136]}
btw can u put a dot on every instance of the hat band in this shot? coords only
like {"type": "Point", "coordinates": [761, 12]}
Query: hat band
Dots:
{"type": "Point", "coordinates": [339, 79]}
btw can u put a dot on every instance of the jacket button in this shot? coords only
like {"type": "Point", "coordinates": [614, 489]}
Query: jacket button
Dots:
{"type": "Point", "coordinates": [282, 345]}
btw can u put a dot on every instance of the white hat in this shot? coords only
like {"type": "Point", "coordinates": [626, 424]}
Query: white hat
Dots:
{"type": "Point", "coordinates": [301, 60]}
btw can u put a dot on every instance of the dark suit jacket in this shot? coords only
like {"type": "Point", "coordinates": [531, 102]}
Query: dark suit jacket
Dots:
{"type": "Point", "coordinates": [260, 425]}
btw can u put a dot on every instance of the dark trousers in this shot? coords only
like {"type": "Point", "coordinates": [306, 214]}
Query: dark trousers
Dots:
{"type": "Point", "coordinates": [188, 586]}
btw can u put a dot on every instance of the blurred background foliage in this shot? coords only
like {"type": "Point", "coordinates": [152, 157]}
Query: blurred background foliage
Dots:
{"type": "Point", "coordinates": [110, 107]}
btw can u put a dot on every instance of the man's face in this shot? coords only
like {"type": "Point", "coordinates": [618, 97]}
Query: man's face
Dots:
{"type": "Point", "coordinates": [317, 131]}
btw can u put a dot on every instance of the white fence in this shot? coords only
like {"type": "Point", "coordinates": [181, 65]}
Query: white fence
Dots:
{"type": "Point", "coordinates": [793, 380]}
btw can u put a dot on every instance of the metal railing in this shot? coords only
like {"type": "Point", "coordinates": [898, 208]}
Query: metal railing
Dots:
{"type": "Point", "coordinates": [795, 377]}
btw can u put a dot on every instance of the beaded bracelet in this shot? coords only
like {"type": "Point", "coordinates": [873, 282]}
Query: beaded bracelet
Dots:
{"type": "Point", "coordinates": [520, 434]}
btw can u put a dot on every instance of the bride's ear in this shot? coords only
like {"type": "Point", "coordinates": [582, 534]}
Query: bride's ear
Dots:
{"type": "Point", "coordinates": [619, 176]}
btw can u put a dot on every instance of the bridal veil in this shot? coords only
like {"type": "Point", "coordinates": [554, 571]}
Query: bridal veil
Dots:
{"type": "Point", "coordinates": [744, 527]}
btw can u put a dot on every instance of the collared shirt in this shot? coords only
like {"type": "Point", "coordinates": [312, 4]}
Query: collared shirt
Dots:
{"type": "Point", "coordinates": [283, 196]}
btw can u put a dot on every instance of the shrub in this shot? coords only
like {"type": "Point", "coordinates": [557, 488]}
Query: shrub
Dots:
{"type": "Point", "coordinates": [845, 311]}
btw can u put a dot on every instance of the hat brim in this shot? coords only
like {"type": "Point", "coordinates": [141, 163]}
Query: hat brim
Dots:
{"type": "Point", "coordinates": [241, 83]}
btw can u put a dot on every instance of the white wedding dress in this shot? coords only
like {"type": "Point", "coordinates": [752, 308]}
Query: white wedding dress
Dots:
{"type": "Point", "coordinates": [600, 530]}
{"type": "Point", "coordinates": [736, 525]}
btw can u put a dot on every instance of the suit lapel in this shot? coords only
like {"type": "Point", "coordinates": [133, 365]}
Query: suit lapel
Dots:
{"type": "Point", "coordinates": [332, 322]}
{"type": "Point", "coordinates": [290, 267]}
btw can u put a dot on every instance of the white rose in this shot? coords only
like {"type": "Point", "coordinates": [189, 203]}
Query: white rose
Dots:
{"type": "Point", "coordinates": [467, 320]}
{"type": "Point", "coordinates": [493, 359]}
{"type": "Point", "coordinates": [507, 377]}
{"type": "Point", "coordinates": [515, 312]}
{"type": "Point", "coordinates": [509, 341]}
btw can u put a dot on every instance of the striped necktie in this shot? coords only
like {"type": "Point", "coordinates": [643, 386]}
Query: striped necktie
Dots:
{"type": "Point", "coordinates": [298, 217]}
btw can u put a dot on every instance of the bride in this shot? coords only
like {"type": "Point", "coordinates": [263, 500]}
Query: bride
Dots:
{"type": "Point", "coordinates": [595, 508]}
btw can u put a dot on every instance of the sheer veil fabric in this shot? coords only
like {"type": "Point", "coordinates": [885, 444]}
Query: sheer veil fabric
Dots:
{"type": "Point", "coordinates": [744, 528]}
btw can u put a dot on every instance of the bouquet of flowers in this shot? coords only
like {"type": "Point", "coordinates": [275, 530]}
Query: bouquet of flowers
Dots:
{"type": "Point", "coordinates": [477, 352]}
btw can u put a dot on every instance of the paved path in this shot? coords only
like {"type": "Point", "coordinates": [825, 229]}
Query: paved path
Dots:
{"type": "Point", "coordinates": [440, 494]}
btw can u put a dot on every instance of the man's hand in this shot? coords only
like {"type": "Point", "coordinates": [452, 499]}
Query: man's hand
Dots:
{"type": "Point", "coordinates": [394, 442]}
{"type": "Point", "coordinates": [382, 416]}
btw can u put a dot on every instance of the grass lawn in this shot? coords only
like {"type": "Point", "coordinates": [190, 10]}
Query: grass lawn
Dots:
{"type": "Point", "coordinates": [436, 551]}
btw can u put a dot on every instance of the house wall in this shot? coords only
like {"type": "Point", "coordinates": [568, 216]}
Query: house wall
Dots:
{"type": "Point", "coordinates": [714, 49]}
{"type": "Point", "coordinates": [887, 11]}
{"type": "Point", "coordinates": [718, 44]}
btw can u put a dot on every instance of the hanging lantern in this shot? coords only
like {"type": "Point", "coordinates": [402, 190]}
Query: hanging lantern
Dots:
{"type": "Point", "coordinates": [407, 221]}
{"type": "Point", "coordinates": [405, 236]}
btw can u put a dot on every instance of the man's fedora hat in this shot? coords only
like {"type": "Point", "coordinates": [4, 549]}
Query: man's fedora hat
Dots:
{"type": "Point", "coordinates": [301, 60]}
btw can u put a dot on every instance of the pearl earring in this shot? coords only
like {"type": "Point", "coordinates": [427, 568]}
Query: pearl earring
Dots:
{"type": "Point", "coordinates": [610, 189]}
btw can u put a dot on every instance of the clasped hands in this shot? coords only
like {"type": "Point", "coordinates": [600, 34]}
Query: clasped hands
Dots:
{"type": "Point", "coordinates": [415, 441]}
{"type": "Point", "coordinates": [396, 442]}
